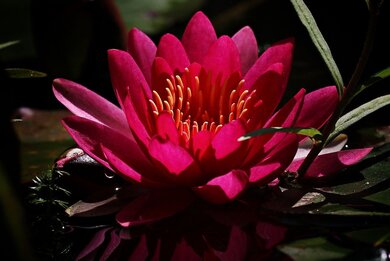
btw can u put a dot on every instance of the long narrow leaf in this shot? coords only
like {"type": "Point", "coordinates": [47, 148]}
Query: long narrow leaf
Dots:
{"type": "Point", "coordinates": [310, 132]}
{"type": "Point", "coordinates": [383, 74]}
{"type": "Point", "coordinates": [308, 21]}
{"type": "Point", "coordinates": [357, 114]}
{"type": "Point", "coordinates": [6, 44]}
{"type": "Point", "coordinates": [24, 73]}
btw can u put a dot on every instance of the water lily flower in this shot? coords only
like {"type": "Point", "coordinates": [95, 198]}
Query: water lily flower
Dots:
{"type": "Point", "coordinates": [183, 105]}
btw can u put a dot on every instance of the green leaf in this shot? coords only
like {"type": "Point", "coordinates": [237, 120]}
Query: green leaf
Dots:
{"type": "Point", "coordinates": [357, 114]}
{"type": "Point", "coordinates": [310, 132]}
{"type": "Point", "coordinates": [343, 210]}
{"type": "Point", "coordinates": [308, 21]}
{"type": "Point", "coordinates": [314, 249]}
{"type": "Point", "coordinates": [6, 44]}
{"type": "Point", "coordinates": [383, 74]}
{"type": "Point", "coordinates": [24, 73]}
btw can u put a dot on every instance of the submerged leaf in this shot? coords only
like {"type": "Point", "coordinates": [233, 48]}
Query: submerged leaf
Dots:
{"type": "Point", "coordinates": [308, 21]}
{"type": "Point", "coordinates": [310, 132]}
{"type": "Point", "coordinates": [357, 114]}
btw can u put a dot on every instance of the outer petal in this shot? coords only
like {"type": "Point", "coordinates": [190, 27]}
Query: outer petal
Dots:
{"type": "Point", "coordinates": [280, 52]}
{"type": "Point", "coordinates": [154, 206]}
{"type": "Point", "coordinates": [137, 126]}
{"type": "Point", "coordinates": [87, 104]}
{"type": "Point", "coordinates": [317, 107]}
{"type": "Point", "coordinates": [89, 135]}
{"type": "Point", "coordinates": [330, 164]}
{"type": "Point", "coordinates": [125, 74]}
{"type": "Point", "coordinates": [147, 177]}
{"type": "Point", "coordinates": [246, 43]}
{"type": "Point", "coordinates": [171, 49]}
{"type": "Point", "coordinates": [222, 59]}
{"type": "Point", "coordinates": [132, 91]}
{"type": "Point", "coordinates": [178, 164]}
{"type": "Point", "coordinates": [275, 163]}
{"type": "Point", "coordinates": [143, 50]}
{"type": "Point", "coordinates": [224, 188]}
{"type": "Point", "coordinates": [198, 36]}
{"type": "Point", "coordinates": [129, 82]}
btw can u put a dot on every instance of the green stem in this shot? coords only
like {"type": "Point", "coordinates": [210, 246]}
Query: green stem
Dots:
{"type": "Point", "coordinates": [350, 90]}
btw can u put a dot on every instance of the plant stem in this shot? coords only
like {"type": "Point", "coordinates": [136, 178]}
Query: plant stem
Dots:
{"type": "Point", "coordinates": [350, 90]}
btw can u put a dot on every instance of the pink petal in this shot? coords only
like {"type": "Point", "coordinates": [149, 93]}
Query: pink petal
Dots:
{"type": "Point", "coordinates": [166, 128]}
{"type": "Point", "coordinates": [143, 50]}
{"type": "Point", "coordinates": [89, 135]}
{"type": "Point", "coordinates": [225, 141]}
{"type": "Point", "coordinates": [125, 74]}
{"type": "Point", "coordinates": [171, 49]}
{"type": "Point", "coordinates": [222, 59]}
{"type": "Point", "coordinates": [137, 126]}
{"type": "Point", "coordinates": [332, 163]}
{"type": "Point", "coordinates": [112, 245]}
{"type": "Point", "coordinates": [269, 90]}
{"type": "Point", "coordinates": [154, 206]}
{"type": "Point", "coordinates": [141, 251]}
{"type": "Point", "coordinates": [224, 188]}
{"type": "Point", "coordinates": [94, 244]}
{"type": "Point", "coordinates": [125, 167]}
{"type": "Point", "coordinates": [178, 164]}
{"type": "Point", "coordinates": [271, 234]}
{"type": "Point", "coordinates": [285, 117]}
{"type": "Point", "coordinates": [201, 146]}
{"type": "Point", "coordinates": [306, 145]}
{"type": "Point", "coordinates": [132, 91]}
{"type": "Point", "coordinates": [161, 71]}
{"type": "Point", "coordinates": [87, 104]}
{"type": "Point", "coordinates": [228, 151]}
{"type": "Point", "coordinates": [280, 52]}
{"type": "Point", "coordinates": [237, 248]}
{"type": "Point", "coordinates": [246, 43]}
{"type": "Point", "coordinates": [275, 162]}
{"type": "Point", "coordinates": [184, 251]}
{"type": "Point", "coordinates": [321, 103]}
{"type": "Point", "coordinates": [198, 36]}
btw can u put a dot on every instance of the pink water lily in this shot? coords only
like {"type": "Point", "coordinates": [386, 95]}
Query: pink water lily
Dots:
{"type": "Point", "coordinates": [183, 105]}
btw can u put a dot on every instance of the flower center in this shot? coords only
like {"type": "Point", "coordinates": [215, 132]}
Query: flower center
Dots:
{"type": "Point", "coordinates": [196, 104]}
